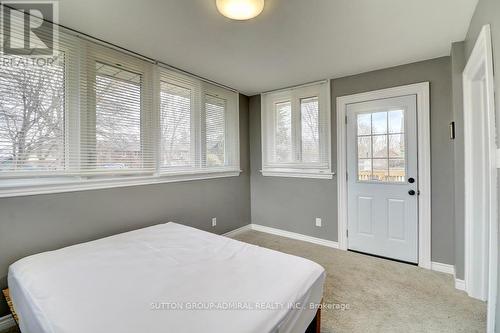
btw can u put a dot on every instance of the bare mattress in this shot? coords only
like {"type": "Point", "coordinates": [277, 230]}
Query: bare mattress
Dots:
{"type": "Point", "coordinates": [165, 278]}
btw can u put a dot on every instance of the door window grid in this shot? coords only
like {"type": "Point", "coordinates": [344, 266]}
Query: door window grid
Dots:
{"type": "Point", "coordinates": [381, 147]}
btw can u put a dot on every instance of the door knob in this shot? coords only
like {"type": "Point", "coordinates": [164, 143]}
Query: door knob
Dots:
{"type": "Point", "coordinates": [411, 192]}
{"type": "Point", "coordinates": [411, 180]}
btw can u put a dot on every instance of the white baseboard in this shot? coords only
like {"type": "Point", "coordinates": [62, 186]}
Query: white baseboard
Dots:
{"type": "Point", "coordinates": [234, 232]}
{"type": "Point", "coordinates": [460, 284]}
{"type": "Point", "coordinates": [294, 235]}
{"type": "Point", "coordinates": [283, 233]}
{"type": "Point", "coordinates": [443, 268]}
{"type": "Point", "coordinates": [7, 322]}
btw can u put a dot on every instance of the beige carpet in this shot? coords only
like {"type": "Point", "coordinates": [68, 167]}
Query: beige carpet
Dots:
{"type": "Point", "coordinates": [383, 296]}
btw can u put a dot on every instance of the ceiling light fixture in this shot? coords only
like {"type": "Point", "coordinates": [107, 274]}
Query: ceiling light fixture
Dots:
{"type": "Point", "coordinates": [240, 9]}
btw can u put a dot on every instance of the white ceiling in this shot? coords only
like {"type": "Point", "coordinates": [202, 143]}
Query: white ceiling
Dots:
{"type": "Point", "coordinates": [291, 42]}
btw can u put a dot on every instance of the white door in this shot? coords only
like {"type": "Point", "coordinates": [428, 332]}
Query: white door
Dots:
{"type": "Point", "coordinates": [382, 178]}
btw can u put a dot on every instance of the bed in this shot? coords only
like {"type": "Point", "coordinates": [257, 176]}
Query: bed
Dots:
{"type": "Point", "coordinates": [165, 278]}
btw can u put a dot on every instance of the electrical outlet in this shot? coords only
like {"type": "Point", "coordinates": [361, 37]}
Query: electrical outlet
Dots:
{"type": "Point", "coordinates": [214, 222]}
{"type": "Point", "coordinates": [318, 222]}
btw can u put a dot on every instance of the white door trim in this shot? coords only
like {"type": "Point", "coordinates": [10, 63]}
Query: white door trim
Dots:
{"type": "Point", "coordinates": [481, 64]}
{"type": "Point", "coordinates": [421, 90]}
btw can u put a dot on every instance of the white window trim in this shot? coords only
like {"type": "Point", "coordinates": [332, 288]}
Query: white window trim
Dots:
{"type": "Point", "coordinates": [65, 184]}
{"type": "Point", "coordinates": [294, 170]}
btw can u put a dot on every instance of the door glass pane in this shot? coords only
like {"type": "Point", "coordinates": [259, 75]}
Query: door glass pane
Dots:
{"type": "Point", "coordinates": [364, 169]}
{"type": "Point", "coordinates": [379, 122]}
{"type": "Point", "coordinates": [380, 170]}
{"type": "Point", "coordinates": [396, 121]}
{"type": "Point", "coordinates": [381, 146]}
{"type": "Point", "coordinates": [283, 139]}
{"type": "Point", "coordinates": [365, 147]}
{"type": "Point", "coordinates": [364, 124]}
{"type": "Point", "coordinates": [397, 145]}
{"type": "Point", "coordinates": [309, 114]}
{"type": "Point", "coordinates": [397, 171]}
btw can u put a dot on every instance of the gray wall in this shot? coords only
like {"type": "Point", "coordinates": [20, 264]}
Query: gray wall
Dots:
{"type": "Point", "coordinates": [292, 204]}
{"type": "Point", "coordinates": [39, 223]}
{"type": "Point", "coordinates": [488, 12]}
{"type": "Point", "coordinates": [457, 67]}
{"type": "Point", "coordinates": [289, 203]}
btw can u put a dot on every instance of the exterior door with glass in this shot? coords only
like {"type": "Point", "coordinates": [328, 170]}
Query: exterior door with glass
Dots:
{"type": "Point", "coordinates": [382, 178]}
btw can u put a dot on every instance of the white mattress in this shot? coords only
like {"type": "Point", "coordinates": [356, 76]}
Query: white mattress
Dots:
{"type": "Point", "coordinates": [131, 282]}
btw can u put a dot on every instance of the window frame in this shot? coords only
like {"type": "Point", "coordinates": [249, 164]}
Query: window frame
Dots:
{"type": "Point", "coordinates": [194, 126]}
{"type": "Point", "coordinates": [199, 91]}
{"type": "Point", "coordinates": [232, 128]}
{"type": "Point", "coordinates": [297, 168]}
{"type": "Point", "coordinates": [68, 113]}
{"type": "Point", "coordinates": [101, 54]}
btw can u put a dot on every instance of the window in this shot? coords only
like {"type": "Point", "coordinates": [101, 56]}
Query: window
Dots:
{"type": "Point", "coordinates": [177, 126]}
{"type": "Point", "coordinates": [283, 134]}
{"type": "Point", "coordinates": [118, 118]}
{"type": "Point", "coordinates": [296, 132]}
{"type": "Point", "coordinates": [215, 110]}
{"type": "Point", "coordinates": [94, 117]}
{"type": "Point", "coordinates": [199, 125]}
{"type": "Point", "coordinates": [32, 116]}
{"type": "Point", "coordinates": [381, 147]}
{"type": "Point", "coordinates": [309, 118]}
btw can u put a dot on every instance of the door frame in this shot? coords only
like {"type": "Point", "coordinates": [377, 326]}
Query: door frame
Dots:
{"type": "Point", "coordinates": [480, 67]}
{"type": "Point", "coordinates": [421, 90]}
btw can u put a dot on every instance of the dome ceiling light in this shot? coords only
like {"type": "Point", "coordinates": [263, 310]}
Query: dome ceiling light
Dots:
{"type": "Point", "coordinates": [240, 9]}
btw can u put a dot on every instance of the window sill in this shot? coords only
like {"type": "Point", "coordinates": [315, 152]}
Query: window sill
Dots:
{"type": "Point", "coordinates": [61, 185]}
{"type": "Point", "coordinates": [302, 173]}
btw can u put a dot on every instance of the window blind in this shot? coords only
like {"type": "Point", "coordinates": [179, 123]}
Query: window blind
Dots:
{"type": "Point", "coordinates": [177, 126]}
{"type": "Point", "coordinates": [283, 132]}
{"type": "Point", "coordinates": [199, 125]}
{"type": "Point", "coordinates": [296, 130]}
{"type": "Point", "coordinates": [32, 115]}
{"type": "Point", "coordinates": [310, 127]}
{"type": "Point", "coordinates": [93, 112]}
{"type": "Point", "coordinates": [215, 111]}
{"type": "Point", "coordinates": [118, 118]}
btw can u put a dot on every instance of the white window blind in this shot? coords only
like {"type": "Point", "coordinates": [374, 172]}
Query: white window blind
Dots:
{"type": "Point", "coordinates": [215, 111]}
{"type": "Point", "coordinates": [32, 116]}
{"type": "Point", "coordinates": [310, 124]}
{"type": "Point", "coordinates": [296, 132]}
{"type": "Point", "coordinates": [177, 126]}
{"type": "Point", "coordinates": [118, 118]}
{"type": "Point", "coordinates": [96, 115]}
{"type": "Point", "coordinates": [283, 135]}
